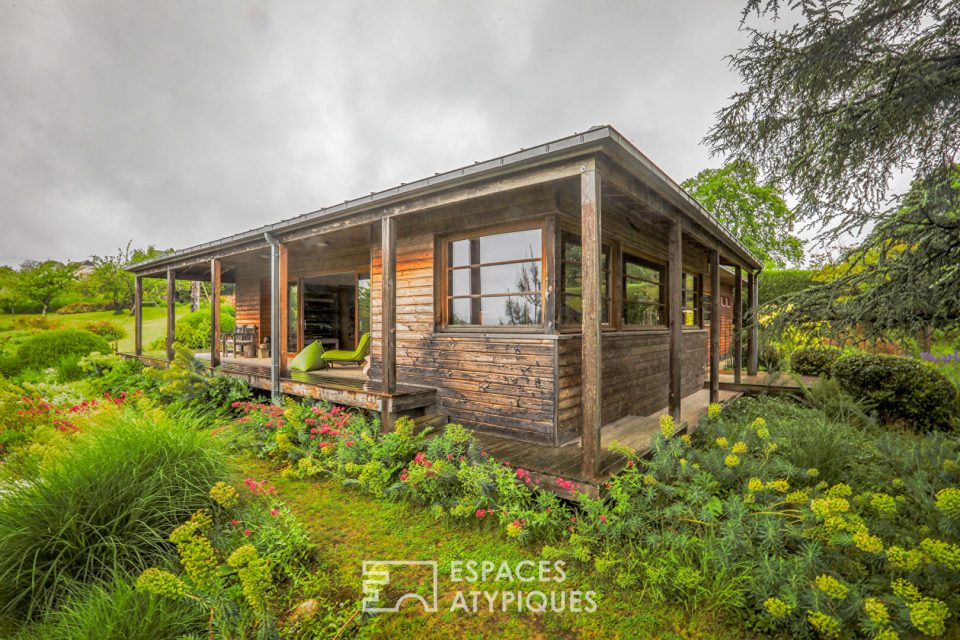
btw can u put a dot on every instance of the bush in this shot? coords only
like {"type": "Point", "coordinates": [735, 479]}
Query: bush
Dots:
{"type": "Point", "coordinates": [48, 348]}
{"type": "Point", "coordinates": [105, 329]}
{"type": "Point", "coordinates": [193, 329]}
{"type": "Point", "coordinates": [814, 361]}
{"type": "Point", "coordinates": [900, 389]}
{"type": "Point", "coordinates": [85, 307]}
{"type": "Point", "coordinates": [106, 505]}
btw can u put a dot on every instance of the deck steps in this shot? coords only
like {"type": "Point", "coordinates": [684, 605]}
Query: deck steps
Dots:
{"type": "Point", "coordinates": [435, 421]}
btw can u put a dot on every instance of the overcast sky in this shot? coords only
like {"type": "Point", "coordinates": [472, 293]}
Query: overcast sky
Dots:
{"type": "Point", "coordinates": [174, 123]}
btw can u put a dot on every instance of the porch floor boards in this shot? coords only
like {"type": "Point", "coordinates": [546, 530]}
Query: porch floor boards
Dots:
{"type": "Point", "coordinates": [564, 461]}
{"type": "Point", "coordinates": [765, 382]}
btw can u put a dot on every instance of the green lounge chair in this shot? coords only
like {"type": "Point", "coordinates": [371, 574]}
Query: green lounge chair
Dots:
{"type": "Point", "coordinates": [357, 356]}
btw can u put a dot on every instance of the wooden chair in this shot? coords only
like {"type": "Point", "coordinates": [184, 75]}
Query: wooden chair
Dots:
{"type": "Point", "coordinates": [242, 335]}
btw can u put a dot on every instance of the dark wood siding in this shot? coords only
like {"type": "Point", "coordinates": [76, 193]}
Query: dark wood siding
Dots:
{"type": "Point", "coordinates": [635, 369]}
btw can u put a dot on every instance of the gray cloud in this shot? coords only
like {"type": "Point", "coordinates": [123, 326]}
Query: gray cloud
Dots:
{"type": "Point", "coordinates": [174, 123]}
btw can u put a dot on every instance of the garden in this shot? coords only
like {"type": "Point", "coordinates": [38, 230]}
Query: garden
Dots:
{"type": "Point", "coordinates": [140, 502]}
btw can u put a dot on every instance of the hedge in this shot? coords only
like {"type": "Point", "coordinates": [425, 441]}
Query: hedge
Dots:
{"type": "Point", "coordinates": [900, 389]}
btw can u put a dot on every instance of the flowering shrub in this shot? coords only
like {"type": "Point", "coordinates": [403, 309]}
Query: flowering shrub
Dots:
{"type": "Point", "coordinates": [233, 554]}
{"type": "Point", "coordinates": [447, 472]}
{"type": "Point", "coordinates": [797, 551]}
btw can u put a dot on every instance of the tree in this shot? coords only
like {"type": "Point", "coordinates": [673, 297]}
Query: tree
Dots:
{"type": "Point", "coordinates": [42, 282]}
{"type": "Point", "coordinates": [109, 277]}
{"type": "Point", "coordinates": [755, 213]}
{"type": "Point", "coordinates": [9, 296]}
{"type": "Point", "coordinates": [836, 105]}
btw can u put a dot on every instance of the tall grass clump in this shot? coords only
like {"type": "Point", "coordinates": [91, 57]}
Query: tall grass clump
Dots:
{"type": "Point", "coordinates": [105, 506]}
{"type": "Point", "coordinates": [117, 611]}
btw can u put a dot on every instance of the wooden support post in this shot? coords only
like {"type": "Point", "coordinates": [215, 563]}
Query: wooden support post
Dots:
{"type": "Point", "coordinates": [675, 316]}
{"type": "Point", "coordinates": [388, 302]}
{"type": "Point", "coordinates": [171, 311]}
{"type": "Point", "coordinates": [282, 331]}
{"type": "Point", "coordinates": [551, 245]}
{"type": "Point", "coordinates": [715, 326]}
{"type": "Point", "coordinates": [738, 325]}
{"type": "Point", "coordinates": [138, 315]}
{"type": "Point", "coordinates": [215, 272]}
{"type": "Point", "coordinates": [591, 315]}
{"type": "Point", "coordinates": [752, 304]}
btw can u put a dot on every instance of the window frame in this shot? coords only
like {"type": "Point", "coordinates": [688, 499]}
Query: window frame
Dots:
{"type": "Point", "coordinates": [697, 296]}
{"type": "Point", "coordinates": [442, 277]}
{"type": "Point", "coordinates": [626, 254]}
{"type": "Point", "coordinates": [608, 247]}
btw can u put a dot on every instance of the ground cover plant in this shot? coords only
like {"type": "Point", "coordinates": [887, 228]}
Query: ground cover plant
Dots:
{"type": "Point", "coordinates": [774, 514]}
{"type": "Point", "coordinates": [777, 517]}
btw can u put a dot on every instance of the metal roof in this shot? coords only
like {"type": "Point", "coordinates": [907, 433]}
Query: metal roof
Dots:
{"type": "Point", "coordinates": [513, 161]}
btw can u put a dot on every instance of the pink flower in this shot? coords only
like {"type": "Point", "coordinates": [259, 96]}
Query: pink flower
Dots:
{"type": "Point", "coordinates": [480, 513]}
{"type": "Point", "coordinates": [403, 476]}
{"type": "Point", "coordinates": [274, 512]}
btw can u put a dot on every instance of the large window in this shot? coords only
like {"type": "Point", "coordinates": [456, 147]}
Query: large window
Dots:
{"type": "Point", "coordinates": [644, 293]}
{"type": "Point", "coordinates": [495, 280]}
{"type": "Point", "coordinates": [571, 280]}
{"type": "Point", "coordinates": [691, 300]}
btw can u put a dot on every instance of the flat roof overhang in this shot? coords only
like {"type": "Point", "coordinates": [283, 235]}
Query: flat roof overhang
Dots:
{"type": "Point", "coordinates": [552, 161]}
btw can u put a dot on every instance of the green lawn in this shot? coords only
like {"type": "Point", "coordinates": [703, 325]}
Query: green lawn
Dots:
{"type": "Point", "coordinates": [154, 322]}
{"type": "Point", "coordinates": [350, 527]}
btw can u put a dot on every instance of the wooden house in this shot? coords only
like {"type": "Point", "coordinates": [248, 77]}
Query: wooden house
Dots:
{"type": "Point", "coordinates": [534, 298]}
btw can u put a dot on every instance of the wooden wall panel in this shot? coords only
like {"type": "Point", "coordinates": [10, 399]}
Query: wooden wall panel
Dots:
{"type": "Point", "coordinates": [635, 370]}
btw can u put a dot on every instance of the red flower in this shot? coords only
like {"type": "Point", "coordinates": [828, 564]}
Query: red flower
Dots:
{"type": "Point", "coordinates": [480, 513]}
{"type": "Point", "coordinates": [603, 518]}
{"type": "Point", "coordinates": [234, 522]}
{"type": "Point", "coordinates": [274, 512]}
{"type": "Point", "coordinates": [247, 532]}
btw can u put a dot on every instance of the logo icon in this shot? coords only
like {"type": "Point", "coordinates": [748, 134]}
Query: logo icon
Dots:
{"type": "Point", "coordinates": [388, 583]}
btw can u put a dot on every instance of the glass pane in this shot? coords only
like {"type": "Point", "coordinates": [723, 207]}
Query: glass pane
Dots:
{"type": "Point", "coordinates": [363, 304]}
{"type": "Point", "coordinates": [642, 292]}
{"type": "Point", "coordinates": [460, 253]}
{"type": "Point", "coordinates": [496, 310]}
{"type": "Point", "coordinates": [293, 321]}
{"type": "Point", "coordinates": [570, 308]}
{"type": "Point", "coordinates": [572, 277]}
{"type": "Point", "coordinates": [510, 310]}
{"type": "Point", "coordinates": [642, 314]}
{"type": "Point", "coordinates": [642, 272]}
{"type": "Point", "coordinates": [510, 278]}
{"type": "Point", "coordinates": [500, 247]}
{"type": "Point", "coordinates": [460, 311]}
{"type": "Point", "coordinates": [460, 282]}
{"type": "Point", "coordinates": [515, 245]}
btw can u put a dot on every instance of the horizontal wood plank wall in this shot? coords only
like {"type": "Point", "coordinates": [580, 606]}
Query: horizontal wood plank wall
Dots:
{"type": "Point", "coordinates": [248, 300]}
{"type": "Point", "coordinates": [502, 385]}
{"type": "Point", "coordinates": [635, 374]}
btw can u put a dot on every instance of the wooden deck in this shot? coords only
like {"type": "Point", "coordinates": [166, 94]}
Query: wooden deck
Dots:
{"type": "Point", "coordinates": [341, 385]}
{"type": "Point", "coordinates": [554, 467]}
{"type": "Point", "coordinates": [764, 382]}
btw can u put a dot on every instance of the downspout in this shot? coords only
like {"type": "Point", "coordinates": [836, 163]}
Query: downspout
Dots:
{"type": "Point", "coordinates": [274, 317]}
